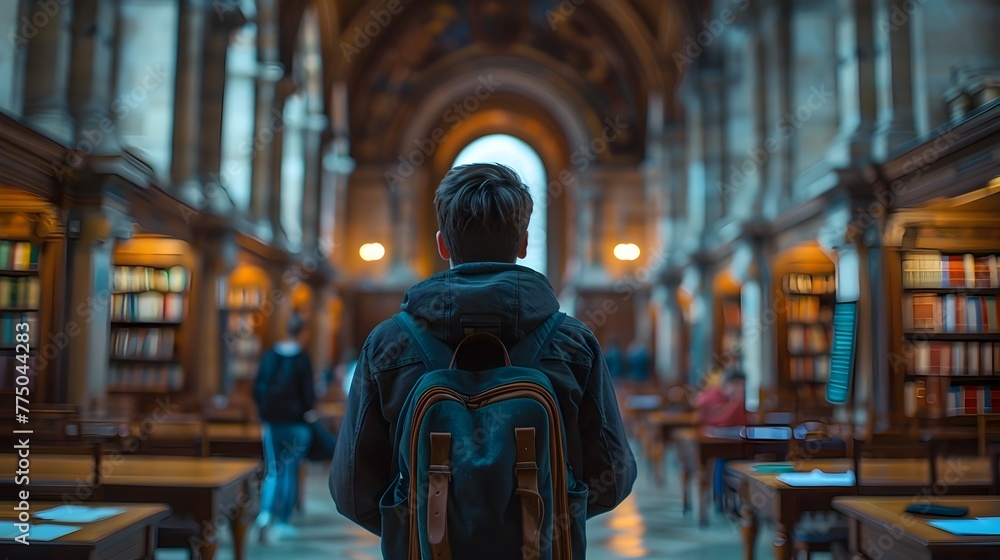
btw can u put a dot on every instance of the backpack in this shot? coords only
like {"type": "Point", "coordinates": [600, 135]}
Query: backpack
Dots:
{"type": "Point", "coordinates": [482, 466]}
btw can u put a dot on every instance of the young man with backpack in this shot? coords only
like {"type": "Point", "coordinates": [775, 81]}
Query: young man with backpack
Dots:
{"type": "Point", "coordinates": [482, 422]}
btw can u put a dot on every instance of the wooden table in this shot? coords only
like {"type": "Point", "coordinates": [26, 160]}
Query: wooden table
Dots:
{"type": "Point", "coordinates": [207, 489]}
{"type": "Point", "coordinates": [658, 434]}
{"type": "Point", "coordinates": [762, 495]}
{"type": "Point", "coordinates": [698, 448]}
{"type": "Point", "coordinates": [881, 529]}
{"type": "Point", "coordinates": [127, 536]}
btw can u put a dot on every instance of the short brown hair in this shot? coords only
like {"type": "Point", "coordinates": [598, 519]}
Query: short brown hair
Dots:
{"type": "Point", "coordinates": [483, 211]}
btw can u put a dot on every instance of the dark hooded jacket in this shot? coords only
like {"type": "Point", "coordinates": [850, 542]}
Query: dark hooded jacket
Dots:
{"type": "Point", "coordinates": [389, 367]}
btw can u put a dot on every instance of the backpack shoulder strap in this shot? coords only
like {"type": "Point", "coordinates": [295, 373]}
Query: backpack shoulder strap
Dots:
{"type": "Point", "coordinates": [528, 351]}
{"type": "Point", "coordinates": [434, 353]}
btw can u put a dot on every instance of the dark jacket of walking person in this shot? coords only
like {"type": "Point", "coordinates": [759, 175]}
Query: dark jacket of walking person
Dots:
{"type": "Point", "coordinates": [481, 239]}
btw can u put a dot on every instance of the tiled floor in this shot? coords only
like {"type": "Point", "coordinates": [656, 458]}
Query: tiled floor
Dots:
{"type": "Point", "coordinates": [649, 524]}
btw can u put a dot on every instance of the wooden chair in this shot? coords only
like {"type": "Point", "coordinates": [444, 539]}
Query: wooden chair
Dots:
{"type": "Point", "coordinates": [892, 446]}
{"type": "Point", "coordinates": [76, 464]}
{"type": "Point", "coordinates": [184, 437]}
{"type": "Point", "coordinates": [816, 439]}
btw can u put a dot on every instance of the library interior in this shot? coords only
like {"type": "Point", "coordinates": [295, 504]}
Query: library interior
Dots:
{"type": "Point", "coordinates": [780, 220]}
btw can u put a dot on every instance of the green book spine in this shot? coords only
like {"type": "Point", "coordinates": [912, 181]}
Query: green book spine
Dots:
{"type": "Point", "coordinates": [5, 255]}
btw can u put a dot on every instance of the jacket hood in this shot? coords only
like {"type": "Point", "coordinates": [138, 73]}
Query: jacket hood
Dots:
{"type": "Point", "coordinates": [515, 297]}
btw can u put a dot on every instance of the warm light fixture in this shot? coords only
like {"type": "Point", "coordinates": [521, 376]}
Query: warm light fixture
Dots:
{"type": "Point", "coordinates": [372, 251]}
{"type": "Point", "coordinates": [626, 251]}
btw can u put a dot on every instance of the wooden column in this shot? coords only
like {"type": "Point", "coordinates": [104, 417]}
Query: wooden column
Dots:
{"type": "Point", "coordinates": [47, 65]}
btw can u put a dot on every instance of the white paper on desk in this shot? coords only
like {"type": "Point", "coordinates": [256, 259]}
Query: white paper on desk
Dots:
{"type": "Point", "coordinates": [817, 477]}
{"type": "Point", "coordinates": [36, 532]}
{"type": "Point", "coordinates": [985, 526]}
{"type": "Point", "coordinates": [78, 514]}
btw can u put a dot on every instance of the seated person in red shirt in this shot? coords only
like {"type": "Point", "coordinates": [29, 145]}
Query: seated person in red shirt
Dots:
{"type": "Point", "coordinates": [721, 404]}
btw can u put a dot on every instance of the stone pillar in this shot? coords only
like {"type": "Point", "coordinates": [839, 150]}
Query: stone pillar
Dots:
{"type": "Point", "coordinates": [668, 348]}
{"type": "Point", "coordinates": [312, 210]}
{"type": "Point", "coordinates": [268, 120]}
{"type": "Point", "coordinates": [713, 90]}
{"type": "Point", "coordinates": [91, 80]}
{"type": "Point", "coordinates": [895, 122]}
{"type": "Point", "coordinates": [696, 162]}
{"type": "Point", "coordinates": [775, 19]}
{"type": "Point", "coordinates": [216, 252]}
{"type": "Point", "coordinates": [697, 279]}
{"type": "Point", "coordinates": [290, 123]}
{"type": "Point", "coordinates": [186, 149]}
{"type": "Point", "coordinates": [401, 198]}
{"type": "Point", "coordinates": [590, 235]}
{"type": "Point", "coordinates": [337, 168]}
{"type": "Point", "coordinates": [760, 316]}
{"type": "Point", "coordinates": [218, 28]}
{"type": "Point", "coordinates": [47, 66]}
{"type": "Point", "coordinates": [92, 232]}
{"type": "Point", "coordinates": [676, 175]}
{"type": "Point", "coordinates": [855, 83]}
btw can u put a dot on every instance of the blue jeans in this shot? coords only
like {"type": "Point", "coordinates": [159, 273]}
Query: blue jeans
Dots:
{"type": "Point", "coordinates": [285, 444]}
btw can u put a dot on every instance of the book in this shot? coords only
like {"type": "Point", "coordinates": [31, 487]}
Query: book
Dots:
{"type": "Point", "coordinates": [969, 270]}
{"type": "Point", "coordinates": [956, 270]}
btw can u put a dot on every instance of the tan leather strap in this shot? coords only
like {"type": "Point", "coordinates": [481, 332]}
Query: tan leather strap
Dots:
{"type": "Point", "coordinates": [532, 506]}
{"type": "Point", "coordinates": [438, 476]}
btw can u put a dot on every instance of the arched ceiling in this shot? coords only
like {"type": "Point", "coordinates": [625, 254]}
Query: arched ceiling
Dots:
{"type": "Point", "coordinates": [606, 55]}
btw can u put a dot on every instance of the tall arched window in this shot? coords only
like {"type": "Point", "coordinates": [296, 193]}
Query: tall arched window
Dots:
{"type": "Point", "coordinates": [519, 156]}
{"type": "Point", "coordinates": [238, 112]}
{"type": "Point", "coordinates": [143, 107]}
{"type": "Point", "coordinates": [303, 120]}
{"type": "Point", "coordinates": [293, 170]}
{"type": "Point", "coordinates": [11, 66]}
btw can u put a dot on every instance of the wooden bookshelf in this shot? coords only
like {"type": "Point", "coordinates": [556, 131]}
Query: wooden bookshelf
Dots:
{"type": "Point", "coordinates": [805, 295]}
{"type": "Point", "coordinates": [243, 320]}
{"type": "Point", "coordinates": [20, 302]}
{"type": "Point", "coordinates": [950, 304]}
{"type": "Point", "coordinates": [148, 305]}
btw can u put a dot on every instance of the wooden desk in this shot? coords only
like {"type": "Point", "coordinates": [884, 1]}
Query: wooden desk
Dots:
{"type": "Point", "coordinates": [762, 495]}
{"type": "Point", "coordinates": [658, 432]}
{"type": "Point", "coordinates": [234, 440]}
{"type": "Point", "coordinates": [698, 448]}
{"type": "Point", "coordinates": [128, 535]}
{"type": "Point", "coordinates": [880, 528]}
{"type": "Point", "coordinates": [207, 489]}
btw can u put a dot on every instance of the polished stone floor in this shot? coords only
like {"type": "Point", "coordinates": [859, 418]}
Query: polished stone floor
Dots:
{"type": "Point", "coordinates": [649, 524]}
